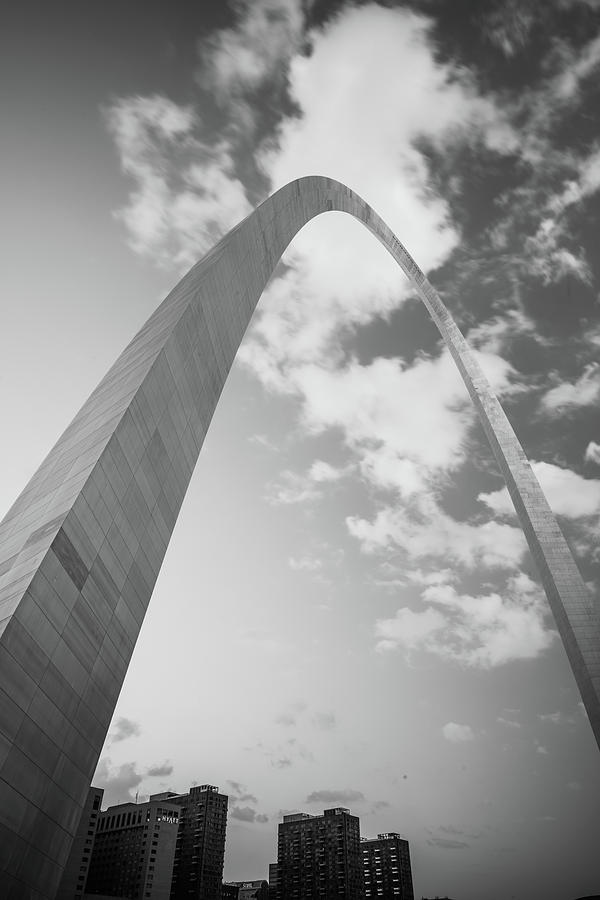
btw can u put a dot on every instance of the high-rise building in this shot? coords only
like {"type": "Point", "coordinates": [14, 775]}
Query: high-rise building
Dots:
{"type": "Point", "coordinates": [272, 881]}
{"type": "Point", "coordinates": [200, 853]}
{"type": "Point", "coordinates": [75, 873]}
{"type": "Point", "coordinates": [386, 866]}
{"type": "Point", "coordinates": [134, 849]}
{"type": "Point", "coordinates": [245, 890]}
{"type": "Point", "coordinates": [319, 857]}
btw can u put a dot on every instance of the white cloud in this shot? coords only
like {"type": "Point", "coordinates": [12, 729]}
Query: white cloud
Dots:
{"type": "Point", "coordinates": [546, 252]}
{"type": "Point", "coordinates": [262, 440]}
{"type": "Point", "coordinates": [397, 440]}
{"type": "Point", "coordinates": [579, 67]}
{"type": "Point", "coordinates": [235, 62]}
{"type": "Point", "coordinates": [586, 183]}
{"type": "Point", "coordinates": [424, 531]}
{"type": "Point", "coordinates": [583, 392]}
{"type": "Point", "coordinates": [592, 453]}
{"type": "Point", "coordinates": [321, 471]}
{"type": "Point", "coordinates": [351, 129]}
{"type": "Point", "coordinates": [551, 250]}
{"type": "Point", "coordinates": [548, 259]}
{"type": "Point", "coordinates": [508, 723]}
{"type": "Point", "coordinates": [508, 26]}
{"type": "Point", "coordinates": [293, 487]}
{"type": "Point", "coordinates": [495, 334]}
{"type": "Point", "coordinates": [374, 405]}
{"type": "Point", "coordinates": [384, 468]}
{"type": "Point", "coordinates": [493, 629]}
{"type": "Point", "coordinates": [568, 493]}
{"type": "Point", "coordinates": [186, 195]}
{"type": "Point", "coordinates": [457, 734]}
{"type": "Point", "coordinates": [411, 630]}
{"type": "Point", "coordinates": [483, 632]}
{"type": "Point", "coordinates": [400, 446]}
{"type": "Point", "coordinates": [305, 563]}
{"type": "Point", "coordinates": [554, 718]}
{"type": "Point", "coordinates": [443, 576]}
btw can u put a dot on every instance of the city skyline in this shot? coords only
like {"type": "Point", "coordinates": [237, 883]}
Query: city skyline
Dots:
{"type": "Point", "coordinates": [319, 706]}
{"type": "Point", "coordinates": [140, 848]}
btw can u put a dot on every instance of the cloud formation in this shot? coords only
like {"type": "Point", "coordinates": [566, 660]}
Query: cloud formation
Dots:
{"type": "Point", "coordinates": [447, 843]}
{"type": "Point", "coordinates": [508, 723]}
{"type": "Point", "coordinates": [350, 129]}
{"type": "Point", "coordinates": [332, 796]}
{"type": "Point", "coordinates": [583, 392]}
{"type": "Point", "coordinates": [424, 531]}
{"type": "Point", "coordinates": [592, 453]}
{"type": "Point", "coordinates": [324, 721]}
{"type": "Point", "coordinates": [185, 192]}
{"type": "Point", "coordinates": [247, 814]}
{"type": "Point", "coordinates": [123, 729]}
{"type": "Point", "coordinates": [568, 493]}
{"type": "Point", "coordinates": [289, 716]}
{"type": "Point", "coordinates": [119, 783]}
{"type": "Point", "coordinates": [480, 631]}
{"type": "Point", "coordinates": [457, 734]}
{"type": "Point", "coordinates": [236, 62]}
{"type": "Point", "coordinates": [160, 770]}
{"type": "Point", "coordinates": [238, 794]}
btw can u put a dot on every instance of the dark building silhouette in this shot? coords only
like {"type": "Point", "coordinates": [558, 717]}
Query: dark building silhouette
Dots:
{"type": "Point", "coordinates": [386, 866]}
{"type": "Point", "coordinates": [319, 857]}
{"type": "Point", "coordinates": [245, 890]}
{"type": "Point", "coordinates": [200, 852]}
{"type": "Point", "coordinates": [229, 891]}
{"type": "Point", "coordinates": [75, 873]}
{"type": "Point", "coordinates": [134, 849]}
{"type": "Point", "coordinates": [272, 881]}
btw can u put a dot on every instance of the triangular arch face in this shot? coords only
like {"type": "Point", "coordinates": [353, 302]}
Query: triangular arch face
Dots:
{"type": "Point", "coordinates": [81, 548]}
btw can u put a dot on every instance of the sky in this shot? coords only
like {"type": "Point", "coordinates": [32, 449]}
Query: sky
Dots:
{"type": "Point", "coordinates": [347, 613]}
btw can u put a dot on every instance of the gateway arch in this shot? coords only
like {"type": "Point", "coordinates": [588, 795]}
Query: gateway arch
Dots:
{"type": "Point", "coordinates": [81, 547]}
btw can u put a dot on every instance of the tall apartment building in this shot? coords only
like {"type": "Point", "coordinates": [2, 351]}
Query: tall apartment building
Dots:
{"type": "Point", "coordinates": [200, 852]}
{"type": "Point", "coordinates": [386, 866]}
{"type": "Point", "coordinates": [272, 881]}
{"type": "Point", "coordinates": [72, 884]}
{"type": "Point", "coordinates": [134, 849]}
{"type": "Point", "coordinates": [319, 857]}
